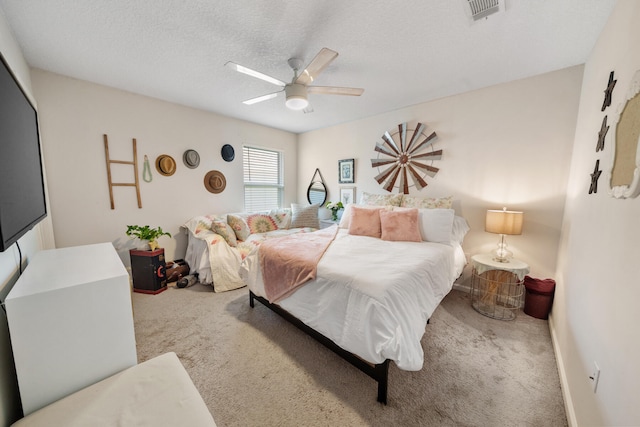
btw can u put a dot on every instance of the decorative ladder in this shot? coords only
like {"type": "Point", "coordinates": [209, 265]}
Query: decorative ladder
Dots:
{"type": "Point", "coordinates": [122, 162]}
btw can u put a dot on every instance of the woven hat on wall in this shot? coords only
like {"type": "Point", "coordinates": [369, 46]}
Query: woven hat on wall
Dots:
{"type": "Point", "coordinates": [191, 159]}
{"type": "Point", "coordinates": [215, 182]}
{"type": "Point", "coordinates": [165, 165]}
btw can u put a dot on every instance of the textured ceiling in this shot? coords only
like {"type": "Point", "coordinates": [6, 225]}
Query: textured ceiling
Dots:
{"type": "Point", "coordinates": [402, 52]}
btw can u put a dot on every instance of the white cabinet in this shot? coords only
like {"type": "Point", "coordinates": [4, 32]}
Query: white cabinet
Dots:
{"type": "Point", "coordinates": [71, 322]}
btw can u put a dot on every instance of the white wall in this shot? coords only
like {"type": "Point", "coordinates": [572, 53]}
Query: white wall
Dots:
{"type": "Point", "coordinates": [507, 145]}
{"type": "Point", "coordinates": [75, 114]}
{"type": "Point", "coordinates": [596, 307]}
{"type": "Point", "coordinates": [39, 238]}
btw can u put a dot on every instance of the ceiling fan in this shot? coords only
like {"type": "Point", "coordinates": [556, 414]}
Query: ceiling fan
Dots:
{"type": "Point", "coordinates": [296, 92]}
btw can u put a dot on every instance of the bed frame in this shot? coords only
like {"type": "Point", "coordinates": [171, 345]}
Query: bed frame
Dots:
{"type": "Point", "coordinates": [379, 372]}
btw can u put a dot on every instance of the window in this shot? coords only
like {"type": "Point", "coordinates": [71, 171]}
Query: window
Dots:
{"type": "Point", "coordinates": [263, 179]}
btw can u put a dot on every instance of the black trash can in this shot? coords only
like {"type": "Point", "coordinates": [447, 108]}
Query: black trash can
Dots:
{"type": "Point", "coordinates": [538, 296]}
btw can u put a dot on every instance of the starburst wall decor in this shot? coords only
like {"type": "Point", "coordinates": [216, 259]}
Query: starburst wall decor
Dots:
{"type": "Point", "coordinates": [400, 160]}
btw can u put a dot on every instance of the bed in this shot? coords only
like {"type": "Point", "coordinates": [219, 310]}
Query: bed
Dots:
{"type": "Point", "coordinates": [371, 298]}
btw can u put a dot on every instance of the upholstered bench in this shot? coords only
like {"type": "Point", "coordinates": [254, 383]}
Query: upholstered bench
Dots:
{"type": "Point", "coordinates": [158, 392]}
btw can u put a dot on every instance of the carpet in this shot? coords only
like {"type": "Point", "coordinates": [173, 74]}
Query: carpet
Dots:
{"type": "Point", "coordinates": [252, 368]}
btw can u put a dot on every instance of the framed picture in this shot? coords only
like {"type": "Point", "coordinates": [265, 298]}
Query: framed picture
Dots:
{"type": "Point", "coordinates": [346, 171]}
{"type": "Point", "coordinates": [347, 195]}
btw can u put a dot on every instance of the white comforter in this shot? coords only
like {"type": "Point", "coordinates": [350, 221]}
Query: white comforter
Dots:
{"type": "Point", "coordinates": [372, 297]}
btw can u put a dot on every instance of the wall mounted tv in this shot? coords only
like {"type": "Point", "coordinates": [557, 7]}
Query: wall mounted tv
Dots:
{"type": "Point", "coordinates": [22, 197]}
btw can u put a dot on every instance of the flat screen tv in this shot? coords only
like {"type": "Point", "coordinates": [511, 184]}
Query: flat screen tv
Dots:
{"type": "Point", "coordinates": [22, 196]}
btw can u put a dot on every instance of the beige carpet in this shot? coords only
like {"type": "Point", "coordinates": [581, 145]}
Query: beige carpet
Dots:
{"type": "Point", "coordinates": [255, 369]}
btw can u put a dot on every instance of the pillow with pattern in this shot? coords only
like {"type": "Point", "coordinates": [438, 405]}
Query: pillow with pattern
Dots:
{"type": "Point", "coordinates": [221, 227]}
{"type": "Point", "coordinates": [427, 203]}
{"type": "Point", "coordinates": [239, 225]}
{"type": "Point", "coordinates": [261, 223]}
{"type": "Point", "coordinates": [380, 199]}
{"type": "Point", "coordinates": [282, 218]}
{"type": "Point", "coordinates": [304, 216]}
{"type": "Point", "coordinates": [197, 225]}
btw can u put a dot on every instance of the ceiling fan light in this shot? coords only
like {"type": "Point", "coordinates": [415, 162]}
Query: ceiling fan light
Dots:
{"type": "Point", "coordinates": [296, 103]}
{"type": "Point", "coordinates": [296, 95]}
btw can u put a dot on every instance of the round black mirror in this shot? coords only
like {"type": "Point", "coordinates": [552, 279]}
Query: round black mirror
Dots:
{"type": "Point", "coordinates": [317, 193]}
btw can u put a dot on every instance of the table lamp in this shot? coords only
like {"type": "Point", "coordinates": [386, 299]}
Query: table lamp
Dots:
{"type": "Point", "coordinates": [503, 222]}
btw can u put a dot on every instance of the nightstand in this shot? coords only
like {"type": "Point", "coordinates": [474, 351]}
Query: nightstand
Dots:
{"type": "Point", "coordinates": [497, 287]}
{"type": "Point", "coordinates": [326, 223]}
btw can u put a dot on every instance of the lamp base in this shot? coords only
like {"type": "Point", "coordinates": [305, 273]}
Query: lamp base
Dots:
{"type": "Point", "coordinates": [502, 254]}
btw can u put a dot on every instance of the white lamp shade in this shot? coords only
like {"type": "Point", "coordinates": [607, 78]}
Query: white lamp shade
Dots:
{"type": "Point", "coordinates": [504, 222]}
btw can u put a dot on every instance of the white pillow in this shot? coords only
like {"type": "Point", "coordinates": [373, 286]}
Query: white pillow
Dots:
{"type": "Point", "coordinates": [460, 229]}
{"type": "Point", "coordinates": [436, 225]}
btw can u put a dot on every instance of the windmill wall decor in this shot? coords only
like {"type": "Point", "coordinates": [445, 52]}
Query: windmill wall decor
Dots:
{"type": "Point", "coordinates": [401, 158]}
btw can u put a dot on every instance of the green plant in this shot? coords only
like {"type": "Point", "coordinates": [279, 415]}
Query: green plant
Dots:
{"type": "Point", "coordinates": [145, 232]}
{"type": "Point", "coordinates": [334, 207]}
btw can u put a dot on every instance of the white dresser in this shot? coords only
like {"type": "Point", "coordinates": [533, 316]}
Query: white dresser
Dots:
{"type": "Point", "coordinates": [71, 322]}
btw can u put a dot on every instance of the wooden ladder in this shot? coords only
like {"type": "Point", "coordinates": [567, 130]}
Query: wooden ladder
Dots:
{"type": "Point", "coordinates": [122, 162]}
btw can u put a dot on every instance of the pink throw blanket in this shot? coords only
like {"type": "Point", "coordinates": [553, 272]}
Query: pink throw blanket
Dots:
{"type": "Point", "coordinates": [288, 262]}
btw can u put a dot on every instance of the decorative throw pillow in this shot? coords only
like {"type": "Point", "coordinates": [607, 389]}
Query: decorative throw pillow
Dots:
{"type": "Point", "coordinates": [239, 225]}
{"type": "Point", "coordinates": [198, 225]}
{"type": "Point", "coordinates": [365, 222]}
{"type": "Point", "coordinates": [345, 220]}
{"type": "Point", "coordinates": [436, 225]}
{"type": "Point", "coordinates": [221, 227]}
{"type": "Point", "coordinates": [427, 203]}
{"type": "Point", "coordinates": [380, 199]}
{"type": "Point", "coordinates": [400, 226]}
{"type": "Point", "coordinates": [304, 216]}
{"type": "Point", "coordinates": [282, 218]}
{"type": "Point", "coordinates": [260, 223]}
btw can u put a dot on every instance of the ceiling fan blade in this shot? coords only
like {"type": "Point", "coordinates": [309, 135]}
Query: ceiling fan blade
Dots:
{"type": "Point", "coordinates": [253, 73]}
{"type": "Point", "coordinates": [315, 67]}
{"type": "Point", "coordinates": [332, 90]}
{"type": "Point", "coordinates": [261, 98]}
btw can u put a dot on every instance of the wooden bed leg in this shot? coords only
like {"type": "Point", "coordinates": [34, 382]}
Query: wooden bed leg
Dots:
{"type": "Point", "coordinates": [251, 303]}
{"type": "Point", "coordinates": [382, 372]}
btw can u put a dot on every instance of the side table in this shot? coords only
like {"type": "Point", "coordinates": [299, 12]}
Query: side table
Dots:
{"type": "Point", "coordinates": [148, 271]}
{"type": "Point", "coordinates": [497, 287]}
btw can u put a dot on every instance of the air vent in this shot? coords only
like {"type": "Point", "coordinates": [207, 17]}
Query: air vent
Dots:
{"type": "Point", "coordinates": [479, 9]}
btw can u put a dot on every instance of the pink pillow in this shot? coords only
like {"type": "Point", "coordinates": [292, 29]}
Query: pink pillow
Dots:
{"type": "Point", "coordinates": [400, 226]}
{"type": "Point", "coordinates": [365, 222]}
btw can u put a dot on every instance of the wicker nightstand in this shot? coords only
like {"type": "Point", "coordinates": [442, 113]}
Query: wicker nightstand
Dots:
{"type": "Point", "coordinates": [497, 287]}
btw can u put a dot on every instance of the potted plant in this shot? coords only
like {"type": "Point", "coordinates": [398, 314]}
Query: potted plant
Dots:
{"type": "Point", "coordinates": [147, 233]}
{"type": "Point", "coordinates": [334, 207]}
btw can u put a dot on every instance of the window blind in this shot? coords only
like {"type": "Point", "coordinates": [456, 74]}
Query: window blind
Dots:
{"type": "Point", "coordinates": [263, 179]}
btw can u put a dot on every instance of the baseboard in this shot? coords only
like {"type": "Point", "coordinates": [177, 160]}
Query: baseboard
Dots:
{"type": "Point", "coordinates": [564, 384]}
